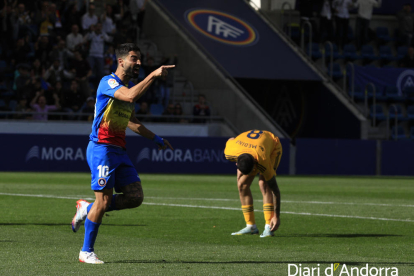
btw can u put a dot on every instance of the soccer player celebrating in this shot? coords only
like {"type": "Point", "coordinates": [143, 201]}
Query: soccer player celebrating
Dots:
{"type": "Point", "coordinates": [257, 151]}
{"type": "Point", "coordinates": [106, 155]}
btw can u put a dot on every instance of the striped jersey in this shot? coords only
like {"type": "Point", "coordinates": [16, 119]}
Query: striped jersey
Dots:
{"type": "Point", "coordinates": [111, 115]}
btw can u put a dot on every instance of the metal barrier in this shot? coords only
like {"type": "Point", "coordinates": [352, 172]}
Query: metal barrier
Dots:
{"type": "Point", "coordinates": [302, 38]}
{"type": "Point", "coordinates": [352, 83]}
{"type": "Point", "coordinates": [331, 57]}
{"type": "Point", "coordinates": [289, 19]}
{"type": "Point", "coordinates": [396, 122]}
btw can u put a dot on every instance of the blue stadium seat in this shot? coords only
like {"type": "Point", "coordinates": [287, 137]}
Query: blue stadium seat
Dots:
{"type": "Point", "coordinates": [350, 52]}
{"type": "Point", "coordinates": [157, 109]}
{"type": "Point", "coordinates": [383, 34]}
{"type": "Point", "coordinates": [3, 65]}
{"type": "Point", "coordinates": [2, 104]}
{"type": "Point", "coordinates": [385, 53]}
{"type": "Point", "coordinates": [351, 36]}
{"type": "Point", "coordinates": [400, 133]}
{"type": "Point", "coordinates": [396, 112]}
{"type": "Point", "coordinates": [401, 52]}
{"type": "Point", "coordinates": [379, 92]}
{"type": "Point", "coordinates": [391, 92]}
{"type": "Point", "coordinates": [358, 92]}
{"type": "Point", "coordinates": [315, 50]}
{"type": "Point", "coordinates": [379, 112]}
{"type": "Point", "coordinates": [367, 53]}
{"type": "Point", "coordinates": [335, 52]}
{"type": "Point", "coordinates": [137, 106]}
{"type": "Point", "coordinates": [336, 70]}
{"type": "Point", "coordinates": [410, 112]}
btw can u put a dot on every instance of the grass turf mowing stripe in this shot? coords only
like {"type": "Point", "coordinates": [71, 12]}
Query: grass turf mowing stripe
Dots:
{"type": "Point", "coordinates": [222, 208]}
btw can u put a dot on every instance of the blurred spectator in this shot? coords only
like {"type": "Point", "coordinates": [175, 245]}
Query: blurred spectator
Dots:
{"type": "Point", "coordinates": [408, 60]}
{"type": "Point", "coordinates": [45, 19]}
{"type": "Point", "coordinates": [72, 17]}
{"type": "Point", "coordinates": [56, 73]}
{"type": "Point", "coordinates": [57, 20]}
{"type": "Point", "coordinates": [22, 81]}
{"type": "Point", "coordinates": [23, 22]}
{"type": "Point", "coordinates": [22, 108]}
{"type": "Point", "coordinates": [21, 50]}
{"type": "Point", "coordinates": [38, 70]}
{"type": "Point", "coordinates": [109, 19]}
{"type": "Point", "coordinates": [326, 22]}
{"type": "Point", "coordinates": [178, 112]}
{"type": "Point", "coordinates": [110, 60]}
{"type": "Point", "coordinates": [406, 21]}
{"type": "Point", "coordinates": [169, 111]}
{"type": "Point", "coordinates": [96, 50]}
{"type": "Point", "coordinates": [137, 9]}
{"type": "Point", "coordinates": [60, 53]}
{"type": "Point", "coordinates": [143, 110]}
{"type": "Point", "coordinates": [341, 8]}
{"type": "Point", "coordinates": [365, 8]}
{"type": "Point", "coordinates": [73, 99]}
{"type": "Point", "coordinates": [80, 67]}
{"type": "Point", "coordinates": [201, 109]}
{"type": "Point", "coordinates": [88, 107]}
{"type": "Point", "coordinates": [7, 25]}
{"type": "Point", "coordinates": [39, 106]}
{"type": "Point", "coordinates": [42, 49]}
{"type": "Point", "coordinates": [89, 18]}
{"type": "Point", "coordinates": [74, 40]}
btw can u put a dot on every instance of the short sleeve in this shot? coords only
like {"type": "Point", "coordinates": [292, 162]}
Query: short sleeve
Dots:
{"type": "Point", "coordinates": [229, 151]}
{"type": "Point", "coordinates": [109, 86]}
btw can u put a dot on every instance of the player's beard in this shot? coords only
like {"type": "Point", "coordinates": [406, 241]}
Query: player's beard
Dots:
{"type": "Point", "coordinates": [130, 72]}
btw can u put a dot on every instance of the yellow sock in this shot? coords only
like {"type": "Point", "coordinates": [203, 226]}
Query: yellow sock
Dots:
{"type": "Point", "coordinates": [268, 210]}
{"type": "Point", "coordinates": [248, 213]}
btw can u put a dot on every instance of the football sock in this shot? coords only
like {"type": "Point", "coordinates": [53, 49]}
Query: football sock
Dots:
{"type": "Point", "coordinates": [268, 210]}
{"type": "Point", "coordinates": [91, 231]}
{"type": "Point", "coordinates": [248, 213]}
{"type": "Point", "coordinates": [112, 207]}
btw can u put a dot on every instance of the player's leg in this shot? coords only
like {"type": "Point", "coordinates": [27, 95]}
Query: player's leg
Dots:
{"type": "Point", "coordinates": [243, 184]}
{"type": "Point", "coordinates": [132, 196]}
{"type": "Point", "coordinates": [268, 205]}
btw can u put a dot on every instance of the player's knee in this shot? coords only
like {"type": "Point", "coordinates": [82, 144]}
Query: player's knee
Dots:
{"type": "Point", "coordinates": [243, 187]}
{"type": "Point", "coordinates": [135, 200]}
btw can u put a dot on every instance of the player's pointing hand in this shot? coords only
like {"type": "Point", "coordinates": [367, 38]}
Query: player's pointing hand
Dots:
{"type": "Point", "coordinates": [162, 71]}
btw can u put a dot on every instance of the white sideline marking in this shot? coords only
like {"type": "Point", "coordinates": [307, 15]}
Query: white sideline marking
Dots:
{"type": "Point", "coordinates": [217, 207]}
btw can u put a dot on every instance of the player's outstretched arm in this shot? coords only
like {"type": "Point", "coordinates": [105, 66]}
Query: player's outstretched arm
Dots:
{"type": "Point", "coordinates": [136, 126]}
{"type": "Point", "coordinates": [131, 95]}
{"type": "Point", "coordinates": [275, 222]}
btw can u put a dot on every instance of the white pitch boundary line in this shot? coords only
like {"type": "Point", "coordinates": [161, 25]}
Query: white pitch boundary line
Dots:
{"type": "Point", "coordinates": [217, 207]}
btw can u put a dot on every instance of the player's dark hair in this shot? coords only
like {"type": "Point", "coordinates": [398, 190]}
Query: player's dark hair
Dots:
{"type": "Point", "coordinates": [123, 50]}
{"type": "Point", "coordinates": [245, 163]}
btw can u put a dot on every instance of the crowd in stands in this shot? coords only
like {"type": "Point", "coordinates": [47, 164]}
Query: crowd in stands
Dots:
{"type": "Point", "coordinates": [54, 53]}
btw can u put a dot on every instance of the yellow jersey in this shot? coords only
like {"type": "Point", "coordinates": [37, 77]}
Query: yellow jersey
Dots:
{"type": "Point", "coordinates": [262, 145]}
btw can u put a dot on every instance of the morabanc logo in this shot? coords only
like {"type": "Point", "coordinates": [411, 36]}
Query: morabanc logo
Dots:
{"type": "Point", "coordinates": [222, 27]}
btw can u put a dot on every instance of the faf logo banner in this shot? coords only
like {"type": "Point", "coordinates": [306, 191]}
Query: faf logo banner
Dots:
{"type": "Point", "coordinates": [222, 27]}
{"type": "Point", "coordinates": [337, 269]}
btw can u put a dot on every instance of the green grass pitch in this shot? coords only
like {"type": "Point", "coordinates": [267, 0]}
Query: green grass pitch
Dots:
{"type": "Point", "coordinates": [184, 226]}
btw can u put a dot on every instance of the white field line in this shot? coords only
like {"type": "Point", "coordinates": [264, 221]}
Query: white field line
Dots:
{"type": "Point", "coordinates": [217, 207]}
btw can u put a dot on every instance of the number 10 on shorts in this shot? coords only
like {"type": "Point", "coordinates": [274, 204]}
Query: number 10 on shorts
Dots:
{"type": "Point", "coordinates": [103, 171]}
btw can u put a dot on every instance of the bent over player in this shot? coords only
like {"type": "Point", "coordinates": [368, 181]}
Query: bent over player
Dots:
{"type": "Point", "coordinates": [107, 159]}
{"type": "Point", "coordinates": [257, 151]}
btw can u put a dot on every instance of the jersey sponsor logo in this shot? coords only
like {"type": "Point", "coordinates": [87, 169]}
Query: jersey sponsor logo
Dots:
{"type": "Point", "coordinates": [55, 154]}
{"type": "Point", "coordinates": [113, 83]}
{"type": "Point", "coordinates": [181, 155]}
{"type": "Point", "coordinates": [102, 182]}
{"type": "Point", "coordinates": [222, 27]}
{"type": "Point", "coordinates": [405, 79]}
{"type": "Point", "coordinates": [123, 115]}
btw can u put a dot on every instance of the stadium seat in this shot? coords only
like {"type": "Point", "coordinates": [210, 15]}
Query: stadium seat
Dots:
{"type": "Point", "coordinates": [379, 112]}
{"type": "Point", "coordinates": [391, 92]}
{"type": "Point", "coordinates": [385, 53]}
{"type": "Point", "coordinates": [137, 106]}
{"type": "Point", "coordinates": [156, 109]}
{"type": "Point", "coordinates": [401, 52]}
{"type": "Point", "coordinates": [358, 92]}
{"type": "Point", "coordinates": [367, 53]}
{"type": "Point", "coordinates": [351, 36]}
{"type": "Point", "coordinates": [396, 111]}
{"type": "Point", "coordinates": [412, 133]}
{"type": "Point", "coordinates": [336, 71]}
{"type": "Point", "coordinates": [383, 34]}
{"type": "Point", "coordinates": [335, 52]}
{"type": "Point", "coordinates": [350, 52]}
{"type": "Point", "coordinates": [3, 65]}
{"type": "Point", "coordinates": [315, 50]}
{"type": "Point", "coordinates": [400, 133]}
{"type": "Point", "coordinates": [410, 112]}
